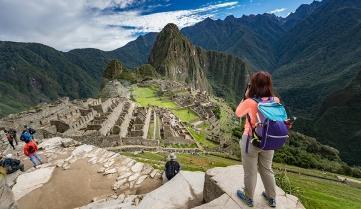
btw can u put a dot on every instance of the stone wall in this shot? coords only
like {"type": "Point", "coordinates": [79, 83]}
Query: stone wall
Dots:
{"type": "Point", "coordinates": [112, 118]}
{"type": "Point", "coordinates": [177, 140]}
{"type": "Point", "coordinates": [101, 106]}
{"type": "Point", "coordinates": [99, 140]}
{"type": "Point", "coordinates": [139, 141]}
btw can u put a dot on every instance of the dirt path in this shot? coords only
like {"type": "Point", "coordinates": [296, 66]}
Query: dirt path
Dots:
{"type": "Point", "coordinates": [69, 188]}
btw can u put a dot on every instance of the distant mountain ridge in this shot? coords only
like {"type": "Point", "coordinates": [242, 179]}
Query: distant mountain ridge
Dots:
{"type": "Point", "coordinates": [31, 73]}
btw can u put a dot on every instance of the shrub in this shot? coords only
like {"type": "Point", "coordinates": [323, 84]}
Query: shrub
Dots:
{"type": "Point", "coordinates": [284, 182]}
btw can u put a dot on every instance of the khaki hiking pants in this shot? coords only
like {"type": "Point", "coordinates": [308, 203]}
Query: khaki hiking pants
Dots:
{"type": "Point", "coordinates": [261, 160]}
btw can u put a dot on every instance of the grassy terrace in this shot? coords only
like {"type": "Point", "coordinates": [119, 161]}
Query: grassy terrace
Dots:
{"type": "Point", "coordinates": [315, 192]}
{"type": "Point", "coordinates": [190, 162]}
{"type": "Point", "coordinates": [146, 96]}
{"type": "Point", "coordinates": [201, 138]}
{"type": "Point", "coordinates": [325, 194]}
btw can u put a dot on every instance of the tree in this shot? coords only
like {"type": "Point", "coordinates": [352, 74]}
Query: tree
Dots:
{"type": "Point", "coordinates": [114, 70]}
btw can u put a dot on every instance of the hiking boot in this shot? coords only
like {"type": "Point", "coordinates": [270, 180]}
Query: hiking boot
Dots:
{"type": "Point", "coordinates": [245, 199]}
{"type": "Point", "coordinates": [271, 202]}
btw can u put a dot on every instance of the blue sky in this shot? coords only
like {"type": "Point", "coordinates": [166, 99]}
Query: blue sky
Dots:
{"type": "Point", "coordinates": [109, 24]}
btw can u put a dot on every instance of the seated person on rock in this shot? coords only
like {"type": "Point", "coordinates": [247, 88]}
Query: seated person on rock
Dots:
{"type": "Point", "coordinates": [10, 164]}
{"type": "Point", "coordinates": [172, 167]}
{"type": "Point", "coordinates": [30, 150]}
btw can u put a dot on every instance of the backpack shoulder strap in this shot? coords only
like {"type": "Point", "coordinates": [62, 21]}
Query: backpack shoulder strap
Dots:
{"type": "Point", "coordinates": [257, 100]}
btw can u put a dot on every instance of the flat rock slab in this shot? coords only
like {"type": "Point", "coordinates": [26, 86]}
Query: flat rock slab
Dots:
{"type": "Point", "coordinates": [222, 202]}
{"type": "Point", "coordinates": [6, 196]}
{"type": "Point", "coordinates": [111, 204]}
{"type": "Point", "coordinates": [185, 190]}
{"type": "Point", "coordinates": [11, 178]}
{"type": "Point", "coordinates": [27, 182]}
{"type": "Point", "coordinates": [220, 181]}
{"type": "Point", "coordinates": [137, 167]}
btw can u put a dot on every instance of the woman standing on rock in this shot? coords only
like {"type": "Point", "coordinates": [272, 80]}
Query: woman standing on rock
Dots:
{"type": "Point", "coordinates": [253, 157]}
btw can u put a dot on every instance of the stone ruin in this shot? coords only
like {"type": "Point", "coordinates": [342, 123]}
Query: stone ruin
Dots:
{"type": "Point", "coordinates": [173, 131]}
{"type": "Point", "coordinates": [198, 101]}
{"type": "Point", "coordinates": [115, 122]}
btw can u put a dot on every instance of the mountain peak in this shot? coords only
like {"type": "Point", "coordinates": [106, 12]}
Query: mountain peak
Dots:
{"type": "Point", "coordinates": [170, 27]}
{"type": "Point", "coordinates": [175, 57]}
{"type": "Point", "coordinates": [230, 18]}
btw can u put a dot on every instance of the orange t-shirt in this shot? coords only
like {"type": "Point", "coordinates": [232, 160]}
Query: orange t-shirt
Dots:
{"type": "Point", "coordinates": [249, 106]}
{"type": "Point", "coordinates": [30, 148]}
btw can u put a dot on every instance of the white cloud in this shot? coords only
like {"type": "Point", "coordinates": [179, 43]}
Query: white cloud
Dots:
{"type": "Point", "coordinates": [275, 11]}
{"type": "Point", "coordinates": [69, 24]}
{"type": "Point", "coordinates": [156, 21]}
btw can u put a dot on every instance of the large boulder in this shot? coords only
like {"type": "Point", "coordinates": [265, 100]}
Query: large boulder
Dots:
{"type": "Point", "coordinates": [6, 195]}
{"type": "Point", "coordinates": [185, 190]}
{"type": "Point", "coordinates": [109, 204]}
{"type": "Point", "coordinates": [28, 182]}
{"type": "Point", "coordinates": [220, 188]}
{"type": "Point", "coordinates": [224, 201]}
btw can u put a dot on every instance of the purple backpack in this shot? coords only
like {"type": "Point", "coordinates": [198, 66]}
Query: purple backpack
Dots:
{"type": "Point", "coordinates": [270, 132]}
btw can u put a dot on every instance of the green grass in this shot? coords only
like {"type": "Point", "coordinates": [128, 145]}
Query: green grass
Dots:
{"type": "Point", "coordinates": [312, 172]}
{"type": "Point", "coordinates": [147, 96]}
{"type": "Point", "coordinates": [203, 162]}
{"type": "Point", "coordinates": [182, 145]}
{"type": "Point", "coordinates": [226, 121]}
{"type": "Point", "coordinates": [325, 194]}
{"type": "Point", "coordinates": [201, 138]}
{"type": "Point", "coordinates": [185, 114]}
{"type": "Point", "coordinates": [190, 162]}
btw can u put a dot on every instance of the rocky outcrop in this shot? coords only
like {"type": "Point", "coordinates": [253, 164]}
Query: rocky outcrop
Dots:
{"type": "Point", "coordinates": [32, 180]}
{"type": "Point", "coordinates": [221, 185]}
{"type": "Point", "coordinates": [184, 191]}
{"type": "Point", "coordinates": [213, 190]}
{"type": "Point", "coordinates": [66, 157]}
{"type": "Point", "coordinates": [114, 89]}
{"type": "Point", "coordinates": [6, 195]}
{"type": "Point", "coordinates": [175, 57]}
{"type": "Point", "coordinates": [117, 202]}
{"type": "Point", "coordinates": [224, 201]}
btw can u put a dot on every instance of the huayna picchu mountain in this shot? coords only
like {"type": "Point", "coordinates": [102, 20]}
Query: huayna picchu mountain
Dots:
{"type": "Point", "coordinates": [176, 58]}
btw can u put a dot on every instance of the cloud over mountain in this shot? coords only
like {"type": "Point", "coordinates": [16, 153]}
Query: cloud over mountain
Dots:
{"type": "Point", "coordinates": [103, 24]}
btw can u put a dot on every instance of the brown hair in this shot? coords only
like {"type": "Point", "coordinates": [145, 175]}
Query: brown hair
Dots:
{"type": "Point", "coordinates": [261, 85]}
